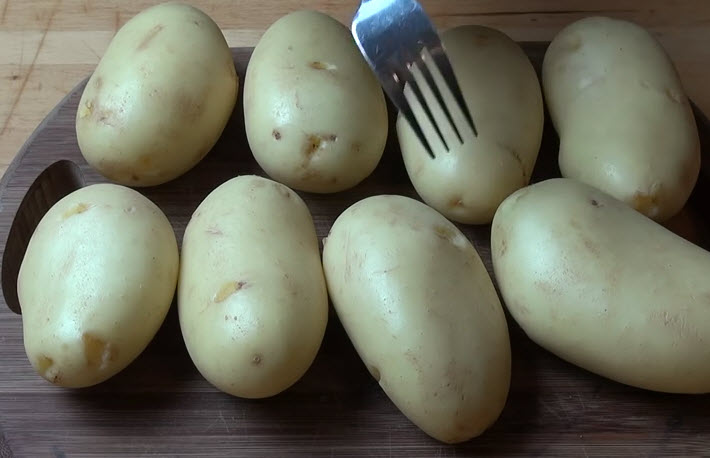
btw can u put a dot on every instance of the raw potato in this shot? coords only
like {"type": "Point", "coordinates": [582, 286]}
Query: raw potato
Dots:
{"type": "Point", "coordinates": [95, 284]}
{"type": "Point", "coordinates": [159, 98]}
{"type": "Point", "coordinates": [503, 94]}
{"type": "Point", "coordinates": [252, 299]}
{"type": "Point", "coordinates": [315, 115]}
{"type": "Point", "coordinates": [422, 313]}
{"type": "Point", "coordinates": [604, 287]}
{"type": "Point", "coordinates": [625, 124]}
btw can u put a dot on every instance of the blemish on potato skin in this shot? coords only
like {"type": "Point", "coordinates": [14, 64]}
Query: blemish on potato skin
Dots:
{"type": "Point", "coordinates": [595, 203]}
{"type": "Point", "coordinates": [79, 208]}
{"type": "Point", "coordinates": [645, 203]}
{"type": "Point", "coordinates": [44, 363]}
{"type": "Point", "coordinates": [256, 360]}
{"type": "Point", "coordinates": [375, 372]}
{"type": "Point", "coordinates": [318, 65]}
{"type": "Point", "coordinates": [316, 142]}
{"type": "Point", "coordinates": [152, 33]}
{"type": "Point", "coordinates": [456, 201]}
{"type": "Point", "coordinates": [97, 352]}
{"type": "Point", "coordinates": [227, 290]}
{"type": "Point", "coordinates": [444, 232]}
{"type": "Point", "coordinates": [276, 134]}
{"type": "Point", "coordinates": [214, 230]}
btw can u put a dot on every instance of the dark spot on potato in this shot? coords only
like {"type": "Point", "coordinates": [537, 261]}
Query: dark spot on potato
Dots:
{"type": "Point", "coordinates": [228, 289]}
{"type": "Point", "coordinates": [105, 116]}
{"type": "Point", "coordinates": [444, 232]}
{"type": "Point", "coordinates": [315, 142]}
{"type": "Point", "coordinates": [290, 48]}
{"type": "Point", "coordinates": [196, 22]}
{"type": "Point", "coordinates": [256, 359]}
{"type": "Point", "coordinates": [145, 160]}
{"type": "Point", "coordinates": [645, 203]}
{"type": "Point", "coordinates": [130, 209]}
{"type": "Point", "coordinates": [79, 208]}
{"type": "Point", "coordinates": [502, 248]}
{"type": "Point", "coordinates": [190, 107]}
{"type": "Point", "coordinates": [97, 352]}
{"type": "Point", "coordinates": [375, 372]}
{"type": "Point", "coordinates": [456, 201]}
{"type": "Point", "coordinates": [276, 134]}
{"type": "Point", "coordinates": [152, 33]}
{"type": "Point", "coordinates": [595, 203]}
{"type": "Point", "coordinates": [282, 189]}
{"type": "Point", "coordinates": [318, 65]}
{"type": "Point", "coordinates": [44, 363]}
{"type": "Point", "coordinates": [135, 177]}
{"type": "Point", "coordinates": [356, 147]}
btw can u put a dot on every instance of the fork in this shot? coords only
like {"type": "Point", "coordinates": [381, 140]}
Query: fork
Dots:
{"type": "Point", "coordinates": [400, 44]}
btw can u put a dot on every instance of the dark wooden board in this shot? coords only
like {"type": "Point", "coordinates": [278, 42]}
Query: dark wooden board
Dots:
{"type": "Point", "coordinates": [161, 406]}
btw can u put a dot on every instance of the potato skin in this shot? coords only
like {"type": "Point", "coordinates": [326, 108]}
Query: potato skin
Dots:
{"type": "Point", "coordinates": [604, 287]}
{"type": "Point", "coordinates": [252, 300]}
{"type": "Point", "coordinates": [315, 114]}
{"type": "Point", "coordinates": [95, 284]}
{"type": "Point", "coordinates": [625, 124]}
{"type": "Point", "coordinates": [420, 308]}
{"type": "Point", "coordinates": [502, 91]}
{"type": "Point", "coordinates": [159, 98]}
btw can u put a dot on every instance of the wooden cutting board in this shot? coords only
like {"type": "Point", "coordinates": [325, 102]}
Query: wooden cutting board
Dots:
{"type": "Point", "coordinates": [161, 406]}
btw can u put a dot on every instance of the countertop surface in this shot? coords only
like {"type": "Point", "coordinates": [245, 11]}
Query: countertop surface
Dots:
{"type": "Point", "coordinates": [48, 46]}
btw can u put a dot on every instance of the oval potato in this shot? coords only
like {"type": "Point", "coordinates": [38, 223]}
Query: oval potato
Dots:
{"type": "Point", "coordinates": [625, 124]}
{"type": "Point", "coordinates": [604, 287]}
{"type": "Point", "coordinates": [498, 82]}
{"type": "Point", "coordinates": [159, 98]}
{"type": "Point", "coordinates": [315, 115]}
{"type": "Point", "coordinates": [421, 310]}
{"type": "Point", "coordinates": [251, 297]}
{"type": "Point", "coordinates": [95, 284]}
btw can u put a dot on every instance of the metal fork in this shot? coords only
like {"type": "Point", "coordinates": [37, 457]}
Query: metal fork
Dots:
{"type": "Point", "coordinates": [398, 40]}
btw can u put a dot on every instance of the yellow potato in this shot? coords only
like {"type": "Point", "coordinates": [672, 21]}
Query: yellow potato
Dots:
{"type": "Point", "coordinates": [159, 98]}
{"type": "Point", "coordinates": [604, 287]}
{"type": "Point", "coordinates": [95, 284]}
{"type": "Point", "coordinates": [422, 313]}
{"type": "Point", "coordinates": [315, 115]}
{"type": "Point", "coordinates": [252, 298]}
{"type": "Point", "coordinates": [468, 182]}
{"type": "Point", "coordinates": [625, 123]}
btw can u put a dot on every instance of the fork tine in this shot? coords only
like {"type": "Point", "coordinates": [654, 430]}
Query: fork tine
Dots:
{"type": "Point", "coordinates": [426, 61]}
{"type": "Point", "coordinates": [408, 114]}
{"type": "Point", "coordinates": [396, 92]}
{"type": "Point", "coordinates": [442, 62]}
{"type": "Point", "coordinates": [411, 81]}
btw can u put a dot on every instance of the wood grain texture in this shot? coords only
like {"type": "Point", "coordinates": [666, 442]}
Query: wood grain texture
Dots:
{"type": "Point", "coordinates": [161, 406]}
{"type": "Point", "coordinates": [48, 46]}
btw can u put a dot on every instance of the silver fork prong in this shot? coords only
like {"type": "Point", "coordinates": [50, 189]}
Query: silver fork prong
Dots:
{"type": "Point", "coordinates": [406, 110]}
{"type": "Point", "coordinates": [427, 60]}
{"type": "Point", "coordinates": [416, 90]}
{"type": "Point", "coordinates": [444, 66]}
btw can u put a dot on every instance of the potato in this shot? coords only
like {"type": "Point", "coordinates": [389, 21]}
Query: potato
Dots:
{"type": "Point", "coordinates": [625, 123]}
{"type": "Point", "coordinates": [502, 92]}
{"type": "Point", "coordinates": [95, 284]}
{"type": "Point", "coordinates": [421, 310]}
{"type": "Point", "coordinates": [251, 297]}
{"type": "Point", "coordinates": [604, 287]}
{"type": "Point", "coordinates": [315, 115]}
{"type": "Point", "coordinates": [159, 98]}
